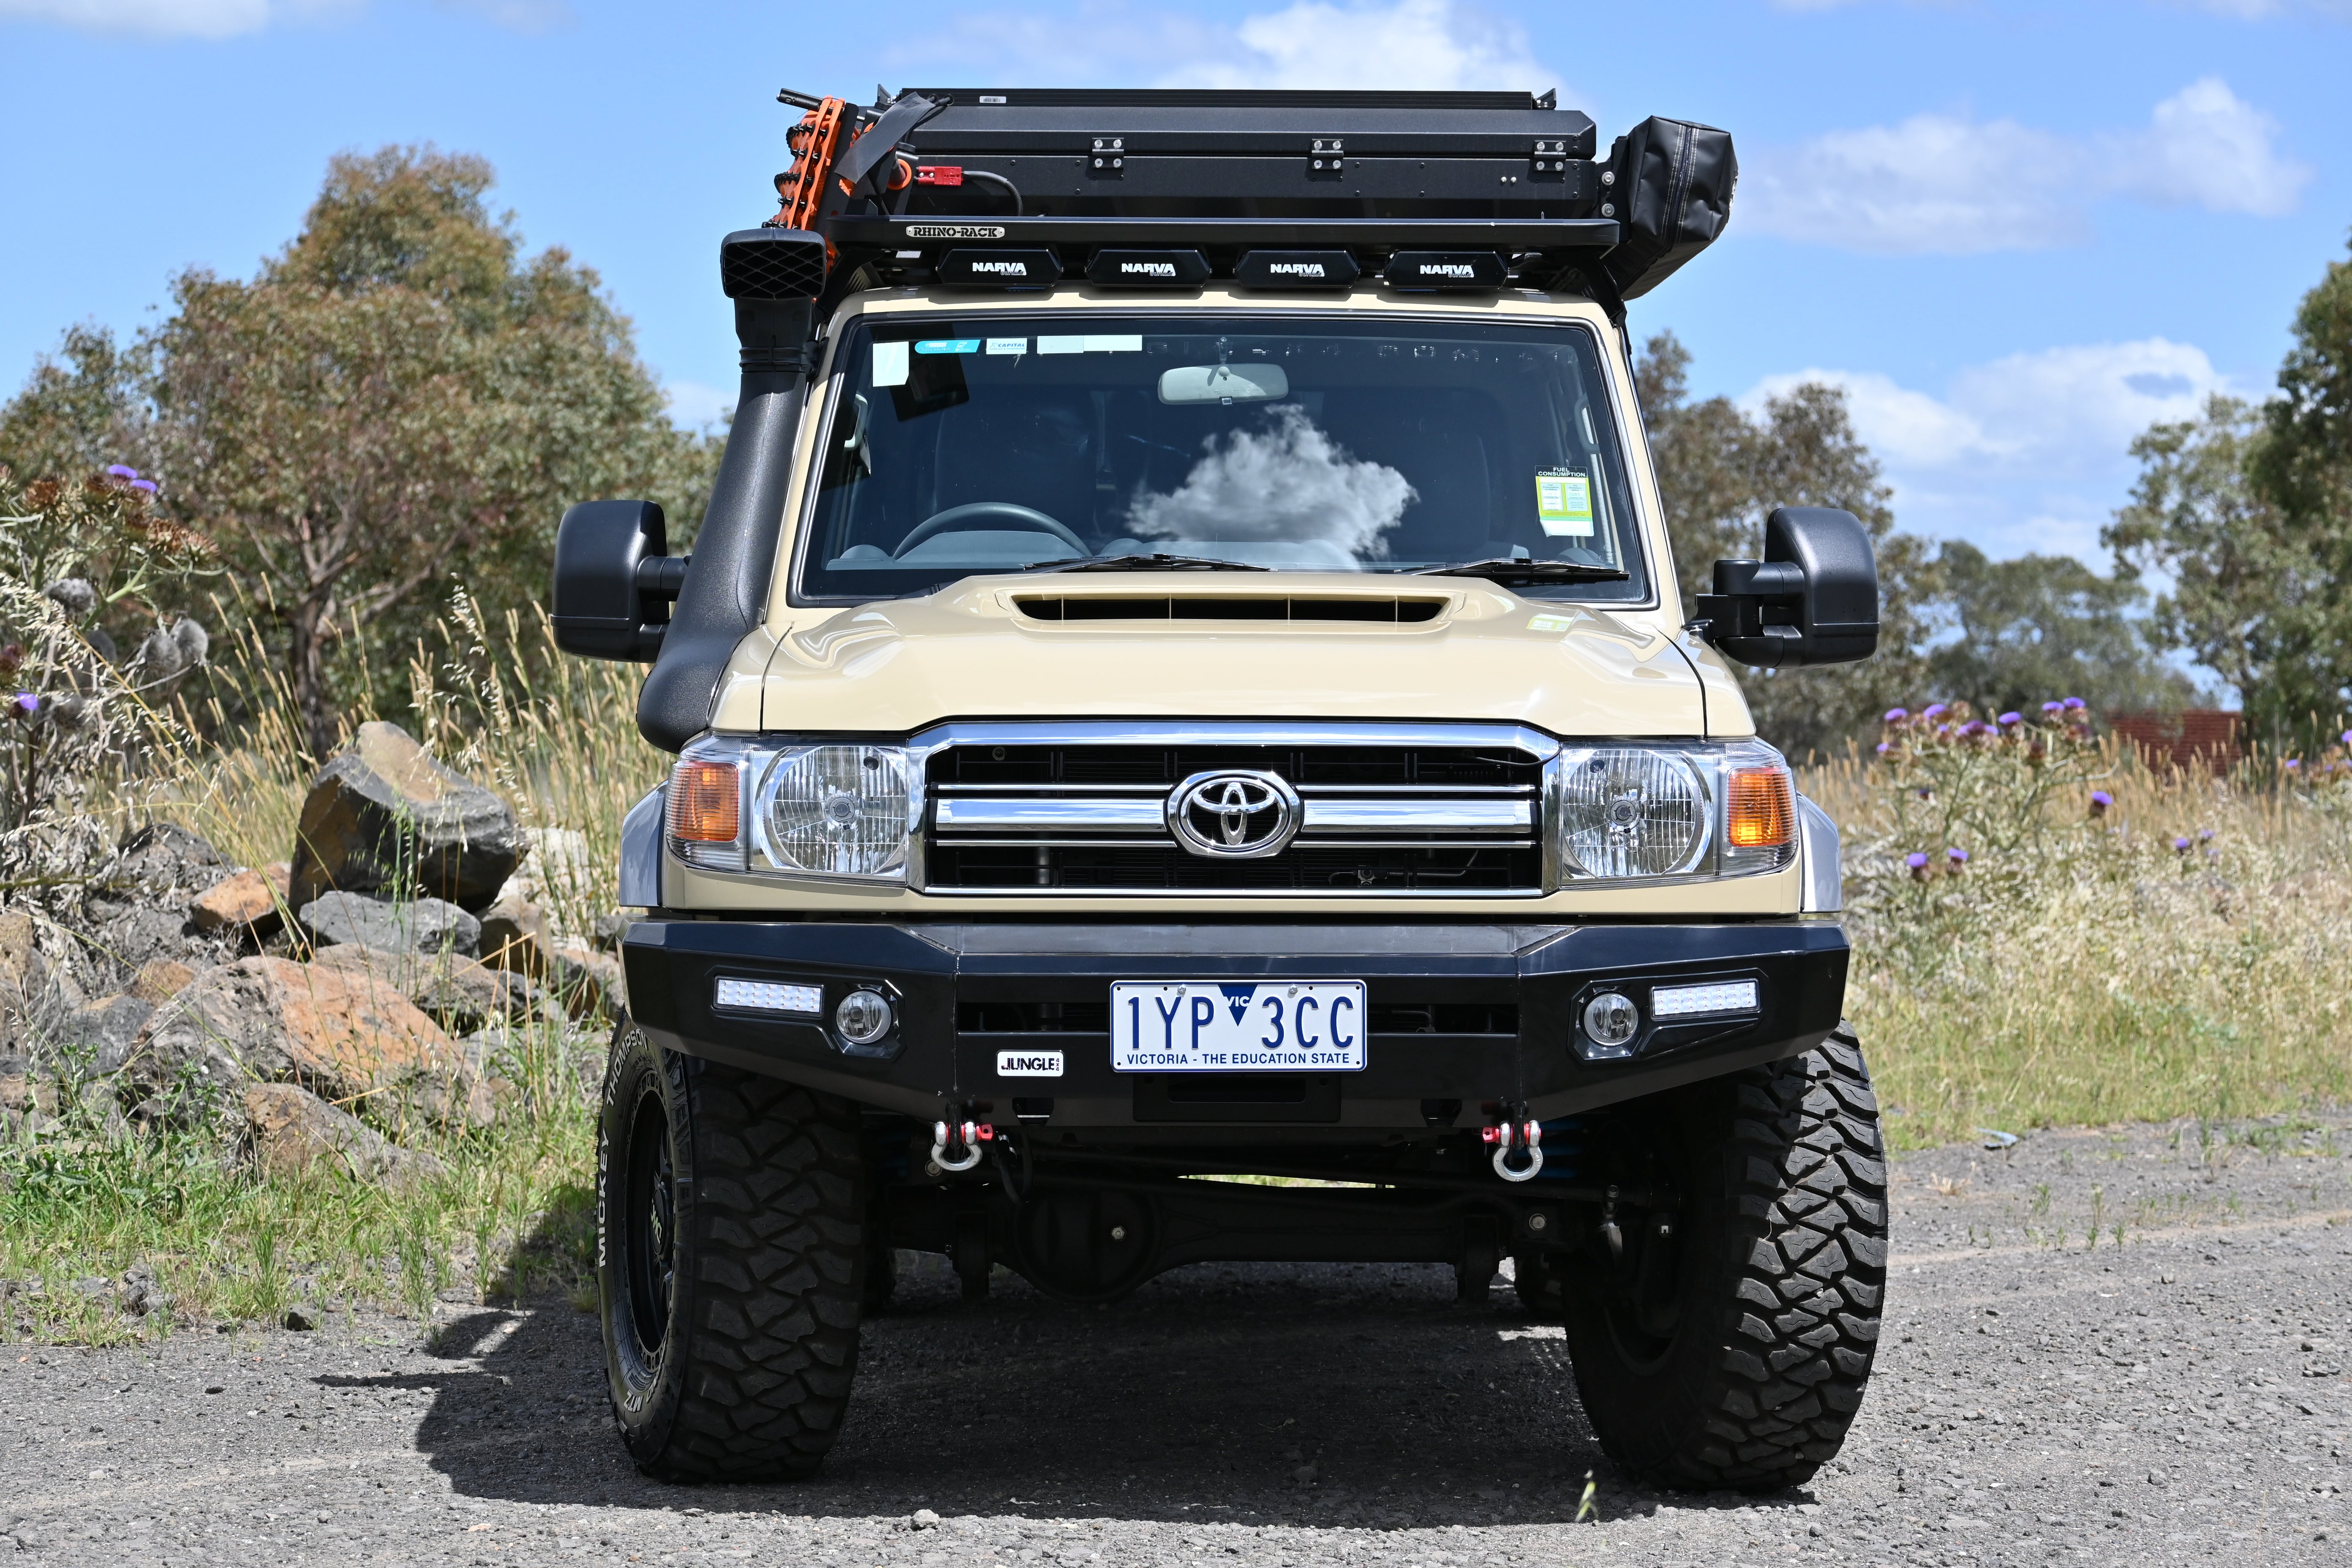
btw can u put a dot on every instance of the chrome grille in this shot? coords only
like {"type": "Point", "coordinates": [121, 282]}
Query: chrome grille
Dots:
{"type": "Point", "coordinates": [1410, 813]}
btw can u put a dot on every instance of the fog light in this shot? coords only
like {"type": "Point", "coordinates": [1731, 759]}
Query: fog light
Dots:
{"type": "Point", "coordinates": [1610, 1022]}
{"type": "Point", "coordinates": [863, 1018]}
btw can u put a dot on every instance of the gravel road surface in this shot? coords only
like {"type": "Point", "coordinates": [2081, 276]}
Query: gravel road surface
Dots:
{"type": "Point", "coordinates": [2177, 1396]}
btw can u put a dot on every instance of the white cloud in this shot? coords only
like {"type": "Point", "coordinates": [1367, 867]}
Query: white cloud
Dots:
{"type": "Point", "coordinates": [1941, 184]}
{"type": "Point", "coordinates": [1424, 44]}
{"type": "Point", "coordinates": [1433, 44]}
{"type": "Point", "coordinates": [2028, 453]}
{"type": "Point", "coordinates": [150, 18]}
{"type": "Point", "coordinates": [2062, 413]}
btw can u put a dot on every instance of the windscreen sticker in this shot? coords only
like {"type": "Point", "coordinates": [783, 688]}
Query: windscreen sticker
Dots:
{"type": "Point", "coordinates": [947, 346]}
{"type": "Point", "coordinates": [890, 365]}
{"type": "Point", "coordinates": [1564, 502]}
{"type": "Point", "coordinates": [1552, 623]}
{"type": "Point", "coordinates": [1008, 345]}
{"type": "Point", "coordinates": [1093, 343]}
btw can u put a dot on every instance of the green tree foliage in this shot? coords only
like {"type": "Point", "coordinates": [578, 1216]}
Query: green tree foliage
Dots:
{"type": "Point", "coordinates": [2248, 598]}
{"type": "Point", "coordinates": [2248, 512]}
{"type": "Point", "coordinates": [83, 410]}
{"type": "Point", "coordinates": [1721, 472]}
{"type": "Point", "coordinates": [2015, 634]}
{"type": "Point", "coordinates": [398, 404]}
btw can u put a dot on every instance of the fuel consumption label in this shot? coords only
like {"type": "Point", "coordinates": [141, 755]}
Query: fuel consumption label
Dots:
{"type": "Point", "coordinates": [1564, 503]}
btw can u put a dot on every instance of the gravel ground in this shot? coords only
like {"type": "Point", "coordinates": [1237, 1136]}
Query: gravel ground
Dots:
{"type": "Point", "coordinates": [2176, 1396]}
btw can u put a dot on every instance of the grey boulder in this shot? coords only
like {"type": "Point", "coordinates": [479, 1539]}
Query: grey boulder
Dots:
{"type": "Point", "coordinates": [420, 925]}
{"type": "Point", "coordinates": [385, 815]}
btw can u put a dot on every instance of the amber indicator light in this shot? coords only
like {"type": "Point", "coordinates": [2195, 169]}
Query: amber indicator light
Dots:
{"type": "Point", "coordinates": [1763, 808]}
{"type": "Point", "coordinates": [705, 802]}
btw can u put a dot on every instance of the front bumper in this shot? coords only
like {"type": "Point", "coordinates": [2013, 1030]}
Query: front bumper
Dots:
{"type": "Point", "coordinates": [1469, 1021]}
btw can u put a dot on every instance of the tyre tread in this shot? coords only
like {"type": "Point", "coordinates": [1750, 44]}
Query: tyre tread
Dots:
{"type": "Point", "coordinates": [1814, 1197]}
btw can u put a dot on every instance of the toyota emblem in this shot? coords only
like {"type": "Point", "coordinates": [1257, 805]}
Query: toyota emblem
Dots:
{"type": "Point", "coordinates": [1233, 816]}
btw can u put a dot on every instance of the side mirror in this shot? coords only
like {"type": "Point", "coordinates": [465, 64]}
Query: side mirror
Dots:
{"type": "Point", "coordinates": [1814, 599]}
{"type": "Point", "coordinates": [614, 580]}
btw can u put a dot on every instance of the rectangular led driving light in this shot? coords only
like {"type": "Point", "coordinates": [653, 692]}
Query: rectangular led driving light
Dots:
{"type": "Point", "coordinates": [1684, 1001]}
{"type": "Point", "coordinates": [768, 997]}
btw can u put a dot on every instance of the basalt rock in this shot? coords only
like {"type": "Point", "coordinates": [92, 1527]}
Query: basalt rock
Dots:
{"type": "Point", "coordinates": [457, 992]}
{"type": "Point", "coordinates": [386, 816]}
{"type": "Point", "coordinates": [294, 1131]}
{"type": "Point", "coordinates": [419, 925]}
{"type": "Point", "coordinates": [251, 901]}
{"type": "Point", "coordinates": [348, 1036]}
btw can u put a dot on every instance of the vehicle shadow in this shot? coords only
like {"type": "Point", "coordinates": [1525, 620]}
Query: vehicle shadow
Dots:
{"type": "Point", "coordinates": [1307, 1394]}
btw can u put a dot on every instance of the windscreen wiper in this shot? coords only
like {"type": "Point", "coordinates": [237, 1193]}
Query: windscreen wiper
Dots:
{"type": "Point", "coordinates": [1508, 571]}
{"type": "Point", "coordinates": [1153, 562]}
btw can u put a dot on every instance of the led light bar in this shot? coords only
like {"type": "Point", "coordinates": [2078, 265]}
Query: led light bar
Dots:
{"type": "Point", "coordinates": [768, 997]}
{"type": "Point", "coordinates": [1684, 1001]}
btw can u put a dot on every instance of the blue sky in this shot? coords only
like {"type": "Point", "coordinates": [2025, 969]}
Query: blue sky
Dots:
{"type": "Point", "coordinates": [2017, 233]}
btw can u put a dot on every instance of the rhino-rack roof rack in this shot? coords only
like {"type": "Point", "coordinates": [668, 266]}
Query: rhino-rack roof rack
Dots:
{"type": "Point", "coordinates": [1017, 188]}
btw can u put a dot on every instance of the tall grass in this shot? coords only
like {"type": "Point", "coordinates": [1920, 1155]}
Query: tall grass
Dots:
{"type": "Point", "coordinates": [2177, 949]}
{"type": "Point", "coordinates": [92, 1200]}
{"type": "Point", "coordinates": [2117, 944]}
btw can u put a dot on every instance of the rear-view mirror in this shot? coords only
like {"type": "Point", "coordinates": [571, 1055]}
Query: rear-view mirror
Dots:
{"type": "Point", "coordinates": [1224, 383]}
{"type": "Point", "coordinates": [1814, 599]}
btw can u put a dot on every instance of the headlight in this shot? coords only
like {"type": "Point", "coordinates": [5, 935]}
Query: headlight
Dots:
{"type": "Point", "coordinates": [841, 810]}
{"type": "Point", "coordinates": [838, 810]}
{"type": "Point", "coordinates": [1629, 812]}
{"type": "Point", "coordinates": [1632, 813]}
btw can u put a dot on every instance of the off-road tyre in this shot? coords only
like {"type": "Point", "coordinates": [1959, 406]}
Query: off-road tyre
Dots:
{"type": "Point", "coordinates": [742, 1373]}
{"type": "Point", "coordinates": [1749, 1373]}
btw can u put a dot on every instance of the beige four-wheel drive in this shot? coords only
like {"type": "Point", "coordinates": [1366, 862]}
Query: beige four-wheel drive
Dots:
{"type": "Point", "coordinates": [1182, 674]}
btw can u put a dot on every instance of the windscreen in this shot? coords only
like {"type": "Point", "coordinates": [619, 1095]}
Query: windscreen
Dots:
{"type": "Point", "coordinates": [1001, 444]}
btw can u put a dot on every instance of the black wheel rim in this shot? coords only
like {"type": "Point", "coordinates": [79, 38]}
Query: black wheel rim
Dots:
{"type": "Point", "coordinates": [650, 1256]}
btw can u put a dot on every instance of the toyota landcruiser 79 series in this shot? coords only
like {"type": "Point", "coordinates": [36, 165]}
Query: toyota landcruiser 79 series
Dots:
{"type": "Point", "coordinates": [1182, 674]}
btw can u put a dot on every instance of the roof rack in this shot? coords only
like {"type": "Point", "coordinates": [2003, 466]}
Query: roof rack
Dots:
{"type": "Point", "coordinates": [1007, 187]}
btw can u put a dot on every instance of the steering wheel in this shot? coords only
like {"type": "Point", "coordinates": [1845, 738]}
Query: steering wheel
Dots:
{"type": "Point", "coordinates": [981, 515]}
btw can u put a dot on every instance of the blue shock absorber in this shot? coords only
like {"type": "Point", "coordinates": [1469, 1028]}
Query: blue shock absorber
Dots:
{"type": "Point", "coordinates": [1563, 1149]}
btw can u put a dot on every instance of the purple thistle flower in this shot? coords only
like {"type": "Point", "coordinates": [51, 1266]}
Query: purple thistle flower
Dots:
{"type": "Point", "coordinates": [2181, 845]}
{"type": "Point", "coordinates": [2053, 707]}
{"type": "Point", "coordinates": [147, 485]}
{"type": "Point", "coordinates": [119, 472]}
{"type": "Point", "coordinates": [2292, 763]}
{"type": "Point", "coordinates": [2100, 801]}
{"type": "Point", "coordinates": [2204, 835]}
{"type": "Point", "coordinates": [1974, 727]}
{"type": "Point", "coordinates": [2010, 718]}
{"type": "Point", "coordinates": [2348, 737]}
{"type": "Point", "coordinates": [1896, 716]}
{"type": "Point", "coordinates": [2072, 703]}
{"type": "Point", "coordinates": [26, 704]}
{"type": "Point", "coordinates": [1884, 747]}
{"type": "Point", "coordinates": [1956, 856]}
{"type": "Point", "coordinates": [1932, 710]}
{"type": "Point", "coordinates": [1917, 860]}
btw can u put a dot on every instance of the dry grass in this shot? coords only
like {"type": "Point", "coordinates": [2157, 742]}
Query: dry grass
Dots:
{"type": "Point", "coordinates": [2113, 972]}
{"type": "Point", "coordinates": [90, 1201]}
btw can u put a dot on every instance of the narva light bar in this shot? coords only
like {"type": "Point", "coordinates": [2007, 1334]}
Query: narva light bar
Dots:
{"type": "Point", "coordinates": [1296, 269]}
{"type": "Point", "coordinates": [1000, 269]}
{"type": "Point", "coordinates": [1447, 270]}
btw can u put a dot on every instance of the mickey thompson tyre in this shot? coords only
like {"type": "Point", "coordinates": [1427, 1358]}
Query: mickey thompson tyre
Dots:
{"type": "Point", "coordinates": [1743, 1361]}
{"type": "Point", "coordinates": [729, 1262]}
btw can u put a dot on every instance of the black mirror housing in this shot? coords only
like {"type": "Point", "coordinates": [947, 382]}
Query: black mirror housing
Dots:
{"type": "Point", "coordinates": [1814, 599]}
{"type": "Point", "coordinates": [614, 579]}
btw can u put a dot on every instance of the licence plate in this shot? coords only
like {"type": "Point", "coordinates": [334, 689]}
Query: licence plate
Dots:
{"type": "Point", "coordinates": [1208, 1026]}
